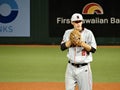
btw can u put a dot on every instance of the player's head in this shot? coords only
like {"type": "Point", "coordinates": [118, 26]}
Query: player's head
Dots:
{"type": "Point", "coordinates": [76, 17]}
{"type": "Point", "coordinates": [77, 21]}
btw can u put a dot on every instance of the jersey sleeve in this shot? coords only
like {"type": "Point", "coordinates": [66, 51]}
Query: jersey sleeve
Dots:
{"type": "Point", "coordinates": [62, 45]}
{"type": "Point", "coordinates": [92, 40]}
{"type": "Point", "coordinates": [65, 37]}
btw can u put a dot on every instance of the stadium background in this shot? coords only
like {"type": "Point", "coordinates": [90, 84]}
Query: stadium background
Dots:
{"type": "Point", "coordinates": [28, 63]}
{"type": "Point", "coordinates": [40, 25]}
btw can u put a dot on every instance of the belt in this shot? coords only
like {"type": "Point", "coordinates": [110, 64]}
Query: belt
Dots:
{"type": "Point", "coordinates": [78, 65]}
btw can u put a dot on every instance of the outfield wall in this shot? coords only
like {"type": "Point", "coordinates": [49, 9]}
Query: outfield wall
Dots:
{"type": "Point", "coordinates": [40, 26]}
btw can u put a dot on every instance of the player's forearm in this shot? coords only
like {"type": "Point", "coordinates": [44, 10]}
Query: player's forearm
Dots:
{"type": "Point", "coordinates": [65, 45]}
{"type": "Point", "coordinates": [86, 46]}
{"type": "Point", "coordinates": [68, 44]}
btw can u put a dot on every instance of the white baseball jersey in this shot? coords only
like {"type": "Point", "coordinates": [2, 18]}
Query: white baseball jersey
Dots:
{"type": "Point", "coordinates": [78, 54]}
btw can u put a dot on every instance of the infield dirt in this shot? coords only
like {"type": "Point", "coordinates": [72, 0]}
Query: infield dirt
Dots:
{"type": "Point", "coordinates": [52, 86]}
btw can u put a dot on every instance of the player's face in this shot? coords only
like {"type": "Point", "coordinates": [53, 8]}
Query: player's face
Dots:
{"type": "Point", "coordinates": [77, 25]}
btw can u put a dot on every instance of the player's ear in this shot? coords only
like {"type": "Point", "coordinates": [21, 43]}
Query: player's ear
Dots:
{"type": "Point", "coordinates": [72, 23]}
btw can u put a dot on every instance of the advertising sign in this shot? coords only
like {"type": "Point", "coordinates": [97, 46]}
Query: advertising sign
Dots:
{"type": "Point", "coordinates": [14, 18]}
{"type": "Point", "coordinates": [102, 17]}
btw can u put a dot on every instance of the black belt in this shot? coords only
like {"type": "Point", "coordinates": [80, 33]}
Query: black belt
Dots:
{"type": "Point", "coordinates": [78, 65]}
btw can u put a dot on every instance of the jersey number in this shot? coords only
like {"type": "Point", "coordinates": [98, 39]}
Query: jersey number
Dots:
{"type": "Point", "coordinates": [84, 53]}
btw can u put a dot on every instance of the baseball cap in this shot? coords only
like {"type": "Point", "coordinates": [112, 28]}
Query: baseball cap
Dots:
{"type": "Point", "coordinates": [76, 17]}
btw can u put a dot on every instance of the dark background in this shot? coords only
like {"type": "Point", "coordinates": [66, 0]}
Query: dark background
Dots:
{"type": "Point", "coordinates": [43, 28]}
{"type": "Point", "coordinates": [65, 8]}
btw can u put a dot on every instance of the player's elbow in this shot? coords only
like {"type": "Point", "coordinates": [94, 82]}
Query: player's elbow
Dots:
{"type": "Point", "coordinates": [93, 50]}
{"type": "Point", "coordinates": [63, 47]}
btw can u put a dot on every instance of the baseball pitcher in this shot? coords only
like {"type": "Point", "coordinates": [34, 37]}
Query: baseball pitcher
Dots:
{"type": "Point", "coordinates": [80, 43]}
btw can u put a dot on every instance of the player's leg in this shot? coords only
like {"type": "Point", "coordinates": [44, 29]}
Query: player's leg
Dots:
{"type": "Point", "coordinates": [69, 79]}
{"type": "Point", "coordinates": [85, 79]}
{"type": "Point", "coordinates": [70, 84]}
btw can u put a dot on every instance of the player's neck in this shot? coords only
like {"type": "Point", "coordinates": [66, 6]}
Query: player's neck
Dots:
{"type": "Point", "coordinates": [80, 29]}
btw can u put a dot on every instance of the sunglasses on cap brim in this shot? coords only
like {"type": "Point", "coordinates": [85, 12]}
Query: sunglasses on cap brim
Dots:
{"type": "Point", "coordinates": [77, 21]}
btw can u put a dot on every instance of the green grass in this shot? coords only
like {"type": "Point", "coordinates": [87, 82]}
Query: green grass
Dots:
{"type": "Point", "coordinates": [106, 65]}
{"type": "Point", "coordinates": [37, 64]}
{"type": "Point", "coordinates": [31, 64]}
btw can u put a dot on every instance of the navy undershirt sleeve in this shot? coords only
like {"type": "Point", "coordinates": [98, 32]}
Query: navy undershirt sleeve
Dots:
{"type": "Point", "coordinates": [63, 47]}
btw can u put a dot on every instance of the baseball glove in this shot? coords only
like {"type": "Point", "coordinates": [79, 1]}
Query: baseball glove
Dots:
{"type": "Point", "coordinates": [75, 37]}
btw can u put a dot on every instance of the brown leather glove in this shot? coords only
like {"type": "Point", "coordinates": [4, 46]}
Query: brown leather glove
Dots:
{"type": "Point", "coordinates": [75, 38]}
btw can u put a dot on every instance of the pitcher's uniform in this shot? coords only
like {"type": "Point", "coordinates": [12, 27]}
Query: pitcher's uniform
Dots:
{"type": "Point", "coordinates": [78, 68]}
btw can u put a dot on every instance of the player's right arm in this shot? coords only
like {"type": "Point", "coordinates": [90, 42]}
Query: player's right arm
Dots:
{"type": "Point", "coordinates": [66, 43]}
